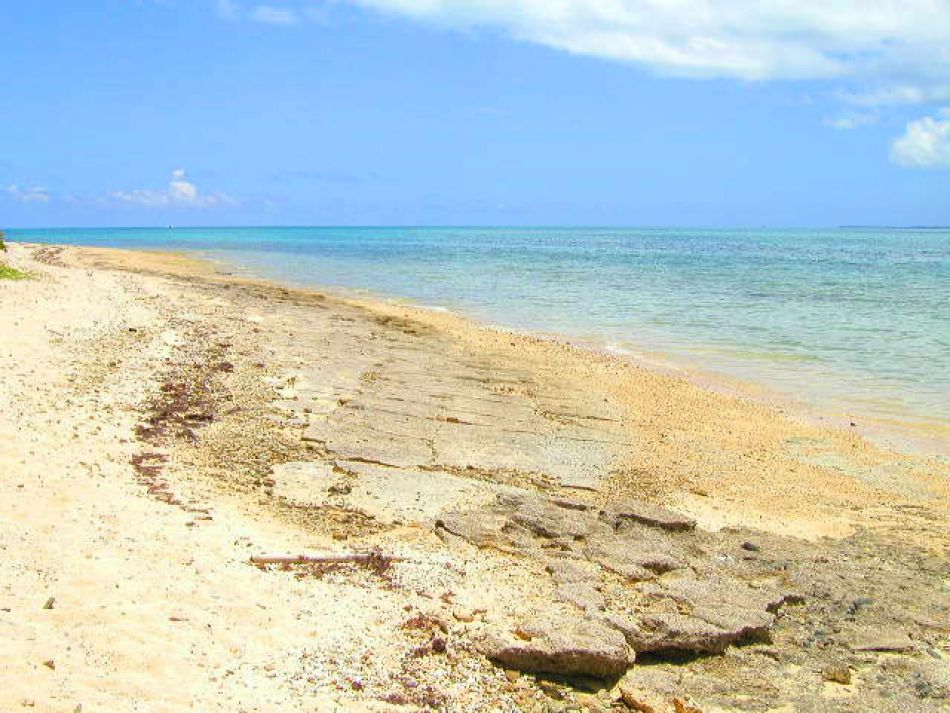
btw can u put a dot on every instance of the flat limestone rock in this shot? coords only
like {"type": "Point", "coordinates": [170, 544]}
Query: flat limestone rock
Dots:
{"type": "Point", "coordinates": [409, 495]}
{"type": "Point", "coordinates": [678, 595]}
{"type": "Point", "coordinates": [302, 482]}
{"type": "Point", "coordinates": [644, 513]}
{"type": "Point", "coordinates": [649, 689]}
{"type": "Point", "coordinates": [874, 640]}
{"type": "Point", "coordinates": [572, 570]}
{"type": "Point", "coordinates": [465, 445]}
{"type": "Point", "coordinates": [582, 595]}
{"type": "Point", "coordinates": [631, 571]}
{"type": "Point", "coordinates": [726, 595]}
{"type": "Point", "coordinates": [672, 631]}
{"type": "Point", "coordinates": [635, 557]}
{"type": "Point", "coordinates": [318, 431]}
{"type": "Point", "coordinates": [523, 522]}
{"type": "Point", "coordinates": [482, 528]}
{"type": "Point", "coordinates": [710, 615]}
{"type": "Point", "coordinates": [580, 481]}
{"type": "Point", "coordinates": [578, 582]}
{"type": "Point", "coordinates": [376, 447]}
{"type": "Point", "coordinates": [547, 519]}
{"type": "Point", "coordinates": [568, 646]}
{"type": "Point", "coordinates": [638, 699]}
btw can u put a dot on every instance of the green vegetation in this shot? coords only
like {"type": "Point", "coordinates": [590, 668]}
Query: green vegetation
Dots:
{"type": "Point", "coordinates": [11, 273]}
{"type": "Point", "coordinates": [7, 272]}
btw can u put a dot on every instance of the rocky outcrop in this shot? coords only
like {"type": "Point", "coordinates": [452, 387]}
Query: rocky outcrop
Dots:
{"type": "Point", "coordinates": [571, 646]}
{"type": "Point", "coordinates": [710, 615]}
{"type": "Point", "coordinates": [636, 573]}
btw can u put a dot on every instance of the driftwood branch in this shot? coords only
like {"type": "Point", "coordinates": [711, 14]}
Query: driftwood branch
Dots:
{"type": "Point", "coordinates": [348, 558]}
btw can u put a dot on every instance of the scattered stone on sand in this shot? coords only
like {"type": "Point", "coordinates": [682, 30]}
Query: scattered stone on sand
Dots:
{"type": "Point", "coordinates": [466, 616]}
{"type": "Point", "coordinates": [681, 706]}
{"type": "Point", "coordinates": [642, 701]}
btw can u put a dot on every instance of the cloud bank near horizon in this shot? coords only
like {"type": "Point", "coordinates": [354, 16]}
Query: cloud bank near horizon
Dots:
{"type": "Point", "coordinates": [179, 192]}
{"type": "Point", "coordinates": [30, 194]}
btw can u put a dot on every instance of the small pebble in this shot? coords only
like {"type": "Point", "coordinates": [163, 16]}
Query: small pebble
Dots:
{"type": "Point", "coordinates": [837, 673]}
{"type": "Point", "coordinates": [464, 615]}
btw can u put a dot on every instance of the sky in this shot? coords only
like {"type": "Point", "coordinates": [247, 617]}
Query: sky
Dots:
{"type": "Point", "coordinates": [483, 112]}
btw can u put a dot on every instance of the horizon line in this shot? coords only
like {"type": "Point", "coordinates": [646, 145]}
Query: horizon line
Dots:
{"type": "Point", "coordinates": [486, 226]}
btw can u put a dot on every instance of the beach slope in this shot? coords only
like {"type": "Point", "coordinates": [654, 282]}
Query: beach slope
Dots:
{"type": "Point", "coordinates": [223, 494]}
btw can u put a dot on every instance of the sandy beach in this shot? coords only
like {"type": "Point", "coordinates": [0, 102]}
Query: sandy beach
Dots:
{"type": "Point", "coordinates": [218, 493]}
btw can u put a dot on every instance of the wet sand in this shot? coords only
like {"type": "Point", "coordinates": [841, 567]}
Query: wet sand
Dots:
{"type": "Point", "coordinates": [163, 422]}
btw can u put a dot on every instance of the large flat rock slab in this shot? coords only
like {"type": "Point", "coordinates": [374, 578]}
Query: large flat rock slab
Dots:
{"type": "Point", "coordinates": [569, 646]}
{"type": "Point", "coordinates": [388, 494]}
{"type": "Point", "coordinates": [407, 397]}
{"type": "Point", "coordinates": [410, 495]}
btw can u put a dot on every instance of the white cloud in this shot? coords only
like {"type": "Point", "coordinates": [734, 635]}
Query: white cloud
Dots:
{"type": "Point", "coordinates": [925, 143]}
{"type": "Point", "coordinates": [897, 94]}
{"type": "Point", "coordinates": [180, 192]}
{"type": "Point", "coordinates": [34, 194]}
{"type": "Point", "coordinates": [885, 41]}
{"type": "Point", "coordinates": [228, 9]}
{"type": "Point", "coordinates": [268, 14]}
{"type": "Point", "coordinates": [852, 120]}
{"type": "Point", "coordinates": [273, 15]}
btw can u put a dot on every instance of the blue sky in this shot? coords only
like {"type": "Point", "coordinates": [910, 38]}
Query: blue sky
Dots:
{"type": "Point", "coordinates": [581, 112]}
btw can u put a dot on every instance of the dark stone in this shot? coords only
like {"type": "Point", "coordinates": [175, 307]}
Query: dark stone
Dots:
{"type": "Point", "coordinates": [645, 513]}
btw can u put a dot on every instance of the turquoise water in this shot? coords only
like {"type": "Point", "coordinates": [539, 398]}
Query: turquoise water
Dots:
{"type": "Point", "coordinates": [853, 319]}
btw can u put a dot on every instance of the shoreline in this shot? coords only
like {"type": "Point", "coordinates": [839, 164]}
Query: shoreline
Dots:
{"type": "Point", "coordinates": [907, 433]}
{"type": "Point", "coordinates": [764, 424]}
{"type": "Point", "coordinates": [464, 519]}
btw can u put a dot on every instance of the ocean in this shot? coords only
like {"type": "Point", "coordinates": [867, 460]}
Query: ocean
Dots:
{"type": "Point", "coordinates": [851, 321]}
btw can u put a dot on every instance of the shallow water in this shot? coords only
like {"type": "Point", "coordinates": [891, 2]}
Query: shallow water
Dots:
{"type": "Point", "coordinates": [855, 320]}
